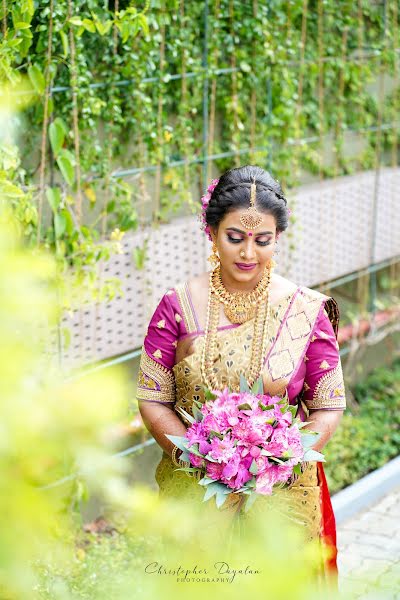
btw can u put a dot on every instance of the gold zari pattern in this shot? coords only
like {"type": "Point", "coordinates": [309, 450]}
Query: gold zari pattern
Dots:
{"type": "Point", "coordinates": [155, 382]}
{"type": "Point", "coordinates": [329, 391]}
{"type": "Point", "coordinates": [187, 313]}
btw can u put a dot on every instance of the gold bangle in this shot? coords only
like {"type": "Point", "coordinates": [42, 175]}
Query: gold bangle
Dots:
{"type": "Point", "coordinates": [173, 456]}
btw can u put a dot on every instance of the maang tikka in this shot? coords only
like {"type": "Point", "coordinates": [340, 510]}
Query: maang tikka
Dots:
{"type": "Point", "coordinates": [252, 218]}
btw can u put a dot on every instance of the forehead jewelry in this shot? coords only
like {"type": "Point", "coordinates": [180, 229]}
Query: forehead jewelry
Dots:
{"type": "Point", "coordinates": [251, 217]}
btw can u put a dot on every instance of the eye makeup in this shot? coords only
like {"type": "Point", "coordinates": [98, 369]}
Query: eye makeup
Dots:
{"type": "Point", "coordinates": [237, 240]}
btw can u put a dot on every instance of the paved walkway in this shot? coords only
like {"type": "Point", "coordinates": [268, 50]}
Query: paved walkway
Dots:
{"type": "Point", "coordinates": [369, 551]}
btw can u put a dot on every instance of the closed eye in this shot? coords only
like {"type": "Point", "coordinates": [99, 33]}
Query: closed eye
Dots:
{"type": "Point", "coordinates": [238, 240]}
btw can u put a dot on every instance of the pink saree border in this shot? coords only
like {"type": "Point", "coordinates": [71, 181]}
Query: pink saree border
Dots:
{"type": "Point", "coordinates": [321, 308]}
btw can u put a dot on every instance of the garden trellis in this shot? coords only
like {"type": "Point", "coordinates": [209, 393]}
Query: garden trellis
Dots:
{"type": "Point", "coordinates": [182, 91]}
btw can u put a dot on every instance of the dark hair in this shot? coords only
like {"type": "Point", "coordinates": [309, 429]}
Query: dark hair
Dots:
{"type": "Point", "coordinates": [233, 192]}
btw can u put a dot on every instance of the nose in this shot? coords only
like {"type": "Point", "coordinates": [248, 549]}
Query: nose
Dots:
{"type": "Point", "coordinates": [250, 250]}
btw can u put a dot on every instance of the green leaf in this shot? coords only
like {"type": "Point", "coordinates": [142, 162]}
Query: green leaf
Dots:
{"type": "Point", "coordinates": [57, 135]}
{"type": "Point", "coordinates": [311, 455]}
{"type": "Point", "coordinates": [65, 162]}
{"type": "Point", "coordinates": [217, 434]}
{"type": "Point", "coordinates": [245, 67]}
{"type": "Point", "coordinates": [89, 25]}
{"type": "Point", "coordinates": [54, 198]}
{"type": "Point", "coordinates": [211, 490]}
{"type": "Point", "coordinates": [308, 439]}
{"type": "Point", "coordinates": [75, 21]}
{"type": "Point", "coordinates": [103, 28]}
{"type": "Point", "coordinates": [258, 387]}
{"type": "Point", "coordinates": [244, 386]}
{"type": "Point", "coordinates": [253, 467]}
{"type": "Point", "coordinates": [206, 481]}
{"type": "Point", "coordinates": [22, 25]}
{"type": "Point", "coordinates": [178, 440]}
{"type": "Point", "coordinates": [208, 395]}
{"type": "Point", "coordinates": [65, 43]}
{"type": "Point", "coordinates": [297, 469]}
{"type": "Point", "coordinates": [143, 22]}
{"type": "Point", "coordinates": [69, 223]}
{"type": "Point", "coordinates": [183, 412]}
{"type": "Point", "coordinates": [244, 406]}
{"type": "Point", "coordinates": [221, 498]}
{"type": "Point", "coordinates": [37, 79]}
{"type": "Point", "coordinates": [59, 225]}
{"type": "Point", "coordinates": [198, 415]}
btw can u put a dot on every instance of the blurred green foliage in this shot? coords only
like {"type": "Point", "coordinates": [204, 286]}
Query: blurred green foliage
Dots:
{"type": "Point", "coordinates": [134, 85]}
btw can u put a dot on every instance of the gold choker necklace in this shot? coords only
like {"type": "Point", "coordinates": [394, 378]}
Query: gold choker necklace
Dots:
{"type": "Point", "coordinates": [240, 307]}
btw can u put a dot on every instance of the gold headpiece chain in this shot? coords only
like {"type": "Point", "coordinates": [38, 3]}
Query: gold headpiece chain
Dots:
{"type": "Point", "coordinates": [251, 217]}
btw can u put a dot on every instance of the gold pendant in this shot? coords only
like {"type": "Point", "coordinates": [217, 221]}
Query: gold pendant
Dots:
{"type": "Point", "coordinates": [239, 315]}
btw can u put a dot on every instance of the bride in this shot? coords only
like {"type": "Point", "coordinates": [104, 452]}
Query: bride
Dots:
{"type": "Point", "coordinates": [241, 317]}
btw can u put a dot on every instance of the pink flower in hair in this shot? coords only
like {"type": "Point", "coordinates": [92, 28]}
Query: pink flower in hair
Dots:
{"type": "Point", "coordinates": [204, 203]}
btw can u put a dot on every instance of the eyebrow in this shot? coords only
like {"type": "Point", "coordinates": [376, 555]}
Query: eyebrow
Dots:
{"type": "Point", "coordinates": [240, 231]}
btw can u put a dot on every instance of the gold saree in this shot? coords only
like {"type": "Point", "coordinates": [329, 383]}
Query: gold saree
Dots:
{"type": "Point", "coordinates": [290, 327]}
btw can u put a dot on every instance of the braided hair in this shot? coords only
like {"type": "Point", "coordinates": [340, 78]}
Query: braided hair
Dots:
{"type": "Point", "coordinates": [233, 192]}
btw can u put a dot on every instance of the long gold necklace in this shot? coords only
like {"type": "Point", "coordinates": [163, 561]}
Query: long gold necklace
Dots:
{"type": "Point", "coordinates": [260, 336]}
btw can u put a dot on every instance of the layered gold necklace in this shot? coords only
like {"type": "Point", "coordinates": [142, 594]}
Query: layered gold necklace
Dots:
{"type": "Point", "coordinates": [239, 307]}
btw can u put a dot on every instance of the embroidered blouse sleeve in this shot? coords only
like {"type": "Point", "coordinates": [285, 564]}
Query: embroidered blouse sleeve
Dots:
{"type": "Point", "coordinates": [156, 382]}
{"type": "Point", "coordinates": [323, 383]}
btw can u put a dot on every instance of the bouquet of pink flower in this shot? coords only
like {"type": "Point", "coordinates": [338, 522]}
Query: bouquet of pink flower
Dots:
{"type": "Point", "coordinates": [246, 443]}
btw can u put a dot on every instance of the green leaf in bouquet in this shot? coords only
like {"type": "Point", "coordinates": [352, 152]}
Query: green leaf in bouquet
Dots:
{"type": "Point", "coordinates": [293, 409]}
{"type": "Point", "coordinates": [198, 415]}
{"type": "Point", "coordinates": [208, 394]}
{"type": "Point", "coordinates": [258, 387]}
{"type": "Point", "coordinates": [244, 386]}
{"type": "Point", "coordinates": [178, 440]}
{"type": "Point", "coordinates": [253, 467]}
{"type": "Point", "coordinates": [266, 406]}
{"type": "Point", "coordinates": [221, 497]}
{"type": "Point", "coordinates": [210, 458]}
{"type": "Point", "coordinates": [303, 424]}
{"type": "Point", "coordinates": [311, 455]}
{"type": "Point", "coordinates": [308, 439]}
{"type": "Point", "coordinates": [198, 403]}
{"type": "Point", "coordinates": [265, 452]}
{"type": "Point", "coordinates": [277, 460]}
{"type": "Point", "coordinates": [185, 456]}
{"type": "Point", "coordinates": [195, 450]}
{"type": "Point", "coordinates": [206, 481]}
{"type": "Point", "coordinates": [211, 490]}
{"type": "Point", "coordinates": [297, 469]}
{"type": "Point", "coordinates": [250, 501]}
{"type": "Point", "coordinates": [244, 406]}
{"type": "Point", "coordinates": [186, 415]}
{"type": "Point", "coordinates": [215, 434]}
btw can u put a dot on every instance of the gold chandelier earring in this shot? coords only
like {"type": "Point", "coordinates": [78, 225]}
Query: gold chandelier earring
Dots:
{"type": "Point", "coordinates": [214, 258]}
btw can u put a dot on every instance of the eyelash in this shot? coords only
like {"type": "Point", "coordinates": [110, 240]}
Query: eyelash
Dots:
{"type": "Point", "coordinates": [237, 241]}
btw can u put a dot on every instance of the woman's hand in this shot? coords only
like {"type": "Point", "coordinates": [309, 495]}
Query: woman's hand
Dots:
{"type": "Point", "coordinates": [324, 422]}
{"type": "Point", "coordinates": [159, 420]}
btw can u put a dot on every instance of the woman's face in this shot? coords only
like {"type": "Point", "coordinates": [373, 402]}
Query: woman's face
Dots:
{"type": "Point", "coordinates": [238, 246]}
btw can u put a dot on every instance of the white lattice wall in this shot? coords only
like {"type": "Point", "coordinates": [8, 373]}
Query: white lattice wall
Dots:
{"type": "Point", "coordinates": [335, 223]}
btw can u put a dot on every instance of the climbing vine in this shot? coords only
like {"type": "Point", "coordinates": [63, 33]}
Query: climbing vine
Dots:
{"type": "Point", "coordinates": [130, 98]}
